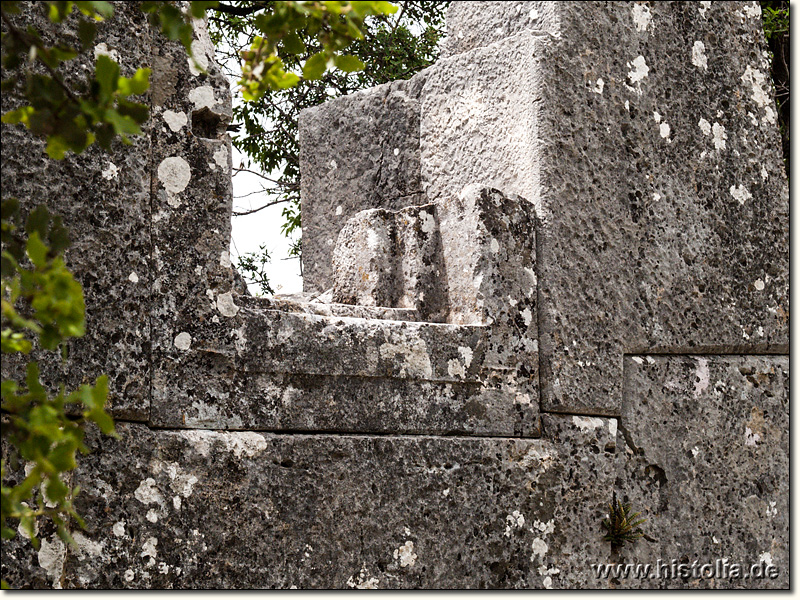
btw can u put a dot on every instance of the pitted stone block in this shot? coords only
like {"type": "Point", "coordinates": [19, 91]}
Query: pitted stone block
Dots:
{"type": "Point", "coordinates": [392, 258]}
{"type": "Point", "coordinates": [468, 28]}
{"type": "Point", "coordinates": [356, 152]}
{"type": "Point", "coordinates": [705, 458]}
{"type": "Point", "coordinates": [364, 270]}
{"type": "Point", "coordinates": [634, 132]}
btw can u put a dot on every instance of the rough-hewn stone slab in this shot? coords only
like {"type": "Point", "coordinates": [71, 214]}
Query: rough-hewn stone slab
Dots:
{"type": "Point", "coordinates": [223, 397]}
{"type": "Point", "coordinates": [203, 509]}
{"type": "Point", "coordinates": [104, 201]}
{"type": "Point", "coordinates": [647, 142]}
{"type": "Point", "coordinates": [706, 461]}
{"type": "Point", "coordinates": [356, 152]}
{"type": "Point", "coordinates": [468, 28]}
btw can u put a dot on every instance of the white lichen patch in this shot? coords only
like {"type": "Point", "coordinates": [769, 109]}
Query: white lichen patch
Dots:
{"type": "Point", "coordinates": [338, 211]}
{"type": "Point", "coordinates": [765, 558]}
{"type": "Point", "coordinates": [527, 316]}
{"type": "Point", "coordinates": [752, 10]}
{"type": "Point", "coordinates": [539, 548]}
{"type": "Point", "coordinates": [364, 581]}
{"type": "Point", "coordinates": [466, 354]}
{"type": "Point", "coordinates": [760, 88]}
{"type": "Point", "coordinates": [428, 223]}
{"type": "Point", "coordinates": [147, 492]}
{"type": "Point", "coordinates": [199, 58]}
{"type": "Point", "coordinates": [586, 424]}
{"type": "Point", "coordinates": [455, 368]}
{"type": "Point", "coordinates": [772, 510]}
{"type": "Point", "coordinates": [133, 277]}
{"type": "Point", "coordinates": [544, 528]}
{"type": "Point", "coordinates": [226, 306]}
{"type": "Point", "coordinates": [514, 521]}
{"type": "Point", "coordinates": [664, 130]}
{"type": "Point", "coordinates": [699, 58]}
{"type": "Point", "coordinates": [703, 7]}
{"type": "Point", "coordinates": [719, 136]}
{"type": "Point", "coordinates": [220, 157]}
{"type": "Point", "coordinates": [183, 341]}
{"type": "Point", "coordinates": [102, 49]}
{"type": "Point", "coordinates": [149, 548]}
{"type": "Point", "coordinates": [494, 246]}
{"type": "Point", "coordinates": [152, 516]}
{"type": "Point", "coordinates": [416, 361]}
{"type": "Point", "coordinates": [598, 88]}
{"type": "Point", "coordinates": [656, 116]}
{"type": "Point", "coordinates": [751, 438]}
{"type": "Point", "coordinates": [641, 16]}
{"type": "Point", "coordinates": [119, 529]}
{"type": "Point", "coordinates": [705, 126]}
{"type": "Point", "coordinates": [202, 97]}
{"type": "Point", "coordinates": [759, 285]}
{"type": "Point", "coordinates": [129, 575]}
{"type": "Point", "coordinates": [638, 70]}
{"type": "Point", "coordinates": [405, 554]}
{"type": "Point", "coordinates": [110, 172]}
{"type": "Point", "coordinates": [176, 502]}
{"type": "Point", "coordinates": [701, 377]}
{"type": "Point", "coordinates": [174, 174]}
{"type": "Point", "coordinates": [51, 555]}
{"type": "Point", "coordinates": [175, 120]}
{"type": "Point", "coordinates": [740, 193]}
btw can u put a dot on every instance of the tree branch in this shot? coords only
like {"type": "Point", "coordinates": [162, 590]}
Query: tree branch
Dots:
{"type": "Point", "coordinates": [255, 210]}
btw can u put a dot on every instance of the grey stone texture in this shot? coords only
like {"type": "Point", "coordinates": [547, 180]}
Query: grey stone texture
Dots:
{"type": "Point", "coordinates": [706, 459]}
{"type": "Point", "coordinates": [549, 268]}
{"type": "Point", "coordinates": [363, 150]}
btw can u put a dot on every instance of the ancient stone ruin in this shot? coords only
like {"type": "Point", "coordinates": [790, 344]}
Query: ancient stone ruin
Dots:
{"type": "Point", "coordinates": [556, 266]}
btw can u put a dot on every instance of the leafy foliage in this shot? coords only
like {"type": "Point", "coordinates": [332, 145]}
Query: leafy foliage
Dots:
{"type": "Point", "coordinates": [42, 305]}
{"type": "Point", "coordinates": [775, 14]}
{"type": "Point", "coordinates": [252, 267]}
{"type": "Point", "coordinates": [621, 525]}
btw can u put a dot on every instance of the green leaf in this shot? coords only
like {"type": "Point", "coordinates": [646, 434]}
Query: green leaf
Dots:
{"type": "Point", "coordinates": [348, 63]}
{"type": "Point", "coordinates": [37, 251]}
{"type": "Point", "coordinates": [19, 115]}
{"type": "Point", "coordinates": [293, 44]}
{"type": "Point", "coordinates": [315, 66]}
{"type": "Point", "coordinates": [87, 31]}
{"type": "Point", "coordinates": [106, 74]}
{"type": "Point", "coordinates": [199, 8]}
{"type": "Point", "coordinates": [138, 84]}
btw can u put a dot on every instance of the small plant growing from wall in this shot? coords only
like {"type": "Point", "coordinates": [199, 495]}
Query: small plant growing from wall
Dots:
{"type": "Point", "coordinates": [621, 524]}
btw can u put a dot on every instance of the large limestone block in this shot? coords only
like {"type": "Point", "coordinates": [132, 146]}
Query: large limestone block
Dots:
{"type": "Point", "coordinates": [392, 258]}
{"type": "Point", "coordinates": [356, 152]}
{"type": "Point", "coordinates": [104, 200]}
{"type": "Point", "coordinates": [471, 27]}
{"type": "Point", "coordinates": [645, 136]}
{"type": "Point", "coordinates": [209, 509]}
{"type": "Point", "coordinates": [706, 461]}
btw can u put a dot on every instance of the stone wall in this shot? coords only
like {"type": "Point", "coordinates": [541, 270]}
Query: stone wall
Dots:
{"type": "Point", "coordinates": [559, 265]}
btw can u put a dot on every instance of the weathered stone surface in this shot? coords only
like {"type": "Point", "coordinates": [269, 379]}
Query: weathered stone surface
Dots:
{"type": "Point", "coordinates": [706, 460]}
{"type": "Point", "coordinates": [646, 140]}
{"type": "Point", "coordinates": [392, 258]}
{"type": "Point", "coordinates": [478, 123]}
{"type": "Point", "coordinates": [335, 511]}
{"type": "Point", "coordinates": [605, 182]}
{"type": "Point", "coordinates": [104, 200]}
{"type": "Point", "coordinates": [656, 235]}
{"type": "Point", "coordinates": [469, 28]}
{"type": "Point", "coordinates": [356, 152]}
